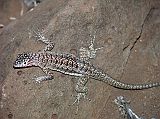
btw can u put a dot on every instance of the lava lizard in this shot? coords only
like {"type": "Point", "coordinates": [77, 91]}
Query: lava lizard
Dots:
{"type": "Point", "coordinates": [69, 64]}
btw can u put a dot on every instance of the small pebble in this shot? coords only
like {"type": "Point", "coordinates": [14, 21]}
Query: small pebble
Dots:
{"type": "Point", "coordinates": [10, 116]}
{"type": "Point", "coordinates": [73, 51]}
{"type": "Point", "coordinates": [25, 82]}
{"type": "Point", "coordinates": [54, 116]}
{"type": "Point", "coordinates": [19, 72]}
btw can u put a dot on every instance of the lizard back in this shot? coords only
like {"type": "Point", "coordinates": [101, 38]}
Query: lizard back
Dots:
{"type": "Point", "coordinates": [72, 65]}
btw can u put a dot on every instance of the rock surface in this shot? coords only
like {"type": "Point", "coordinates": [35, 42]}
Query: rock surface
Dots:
{"type": "Point", "coordinates": [9, 10]}
{"type": "Point", "coordinates": [128, 30]}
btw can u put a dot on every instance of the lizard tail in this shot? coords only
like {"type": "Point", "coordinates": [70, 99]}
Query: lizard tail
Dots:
{"type": "Point", "coordinates": [117, 84]}
{"type": "Point", "coordinates": [126, 86]}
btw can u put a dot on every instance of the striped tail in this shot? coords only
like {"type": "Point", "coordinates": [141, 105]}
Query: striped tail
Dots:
{"type": "Point", "coordinates": [126, 86]}
{"type": "Point", "coordinates": [98, 75]}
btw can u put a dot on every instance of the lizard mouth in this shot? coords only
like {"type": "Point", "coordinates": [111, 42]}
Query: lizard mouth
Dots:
{"type": "Point", "coordinates": [16, 66]}
{"type": "Point", "coordinates": [19, 67]}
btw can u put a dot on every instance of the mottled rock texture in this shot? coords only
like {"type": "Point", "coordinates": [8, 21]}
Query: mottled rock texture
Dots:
{"type": "Point", "coordinates": [128, 30]}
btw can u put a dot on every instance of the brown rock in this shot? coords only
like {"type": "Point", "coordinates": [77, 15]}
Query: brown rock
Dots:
{"type": "Point", "coordinates": [128, 31]}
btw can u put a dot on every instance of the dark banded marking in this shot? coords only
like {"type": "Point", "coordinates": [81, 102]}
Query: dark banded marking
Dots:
{"type": "Point", "coordinates": [38, 57]}
{"type": "Point", "coordinates": [65, 62]}
{"type": "Point", "coordinates": [70, 63]}
{"type": "Point", "coordinates": [53, 59]}
{"type": "Point", "coordinates": [50, 59]}
{"type": "Point", "coordinates": [56, 61]}
{"type": "Point", "coordinates": [75, 65]}
{"type": "Point", "coordinates": [46, 56]}
{"type": "Point", "coordinates": [61, 60]}
{"type": "Point", "coordinates": [41, 58]}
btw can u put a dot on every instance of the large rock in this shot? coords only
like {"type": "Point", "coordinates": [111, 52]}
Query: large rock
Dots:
{"type": "Point", "coordinates": [129, 31]}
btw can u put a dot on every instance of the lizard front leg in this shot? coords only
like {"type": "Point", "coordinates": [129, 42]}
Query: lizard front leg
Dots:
{"type": "Point", "coordinates": [42, 38]}
{"type": "Point", "coordinates": [88, 53]}
{"type": "Point", "coordinates": [48, 76]}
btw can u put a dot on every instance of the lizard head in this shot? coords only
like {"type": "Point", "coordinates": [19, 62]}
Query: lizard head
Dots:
{"type": "Point", "coordinates": [24, 60]}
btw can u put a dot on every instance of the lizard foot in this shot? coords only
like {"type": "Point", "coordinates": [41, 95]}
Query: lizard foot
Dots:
{"type": "Point", "coordinates": [78, 97]}
{"type": "Point", "coordinates": [90, 53]}
{"type": "Point", "coordinates": [42, 78]}
{"type": "Point", "coordinates": [40, 37]}
{"type": "Point", "coordinates": [81, 91]}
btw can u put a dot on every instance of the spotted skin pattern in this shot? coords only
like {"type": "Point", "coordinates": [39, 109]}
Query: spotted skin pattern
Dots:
{"type": "Point", "coordinates": [66, 63]}
{"type": "Point", "coordinates": [72, 65]}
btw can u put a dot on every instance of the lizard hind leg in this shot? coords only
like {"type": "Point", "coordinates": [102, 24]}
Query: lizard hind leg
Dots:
{"type": "Point", "coordinates": [81, 91]}
{"type": "Point", "coordinates": [90, 53]}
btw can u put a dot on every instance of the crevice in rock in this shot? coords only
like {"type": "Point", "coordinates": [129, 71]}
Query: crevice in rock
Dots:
{"type": "Point", "coordinates": [139, 36]}
{"type": "Point", "coordinates": [127, 50]}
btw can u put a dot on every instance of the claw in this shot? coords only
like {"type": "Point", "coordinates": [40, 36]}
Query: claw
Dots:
{"type": "Point", "coordinates": [40, 37]}
{"type": "Point", "coordinates": [90, 53]}
{"type": "Point", "coordinates": [79, 96]}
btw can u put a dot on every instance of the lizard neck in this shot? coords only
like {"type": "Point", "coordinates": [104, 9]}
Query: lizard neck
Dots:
{"type": "Point", "coordinates": [34, 59]}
